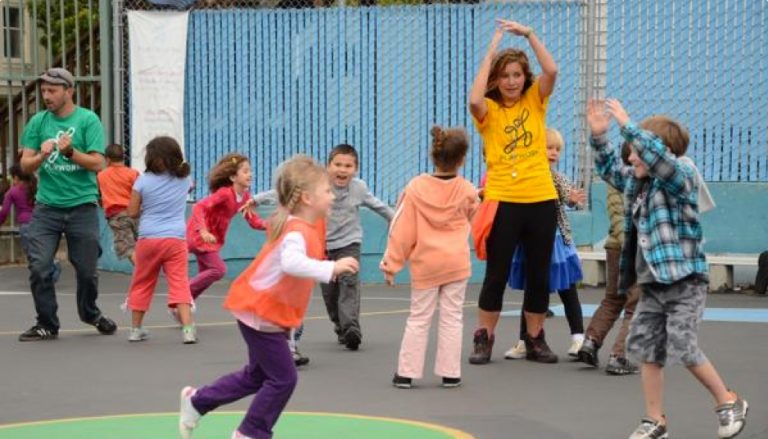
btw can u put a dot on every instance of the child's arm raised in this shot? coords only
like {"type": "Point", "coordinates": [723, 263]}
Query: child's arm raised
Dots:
{"type": "Point", "coordinates": [607, 162]}
{"type": "Point", "coordinates": [477, 105]}
{"type": "Point", "coordinates": [545, 59]}
{"type": "Point", "coordinates": [676, 178]}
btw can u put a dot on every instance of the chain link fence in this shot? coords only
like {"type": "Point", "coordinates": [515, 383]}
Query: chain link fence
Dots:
{"type": "Point", "coordinates": [274, 77]}
{"type": "Point", "coordinates": [271, 79]}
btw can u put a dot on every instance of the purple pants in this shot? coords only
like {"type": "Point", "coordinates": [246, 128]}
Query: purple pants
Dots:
{"type": "Point", "coordinates": [270, 375]}
{"type": "Point", "coordinates": [210, 268]}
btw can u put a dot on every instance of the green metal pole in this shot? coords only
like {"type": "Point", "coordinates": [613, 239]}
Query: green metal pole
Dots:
{"type": "Point", "coordinates": [105, 67]}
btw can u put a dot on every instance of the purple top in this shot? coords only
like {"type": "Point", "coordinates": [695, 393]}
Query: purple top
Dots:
{"type": "Point", "coordinates": [17, 196]}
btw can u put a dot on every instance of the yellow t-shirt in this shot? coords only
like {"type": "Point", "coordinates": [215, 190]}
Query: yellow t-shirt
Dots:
{"type": "Point", "coordinates": [516, 150]}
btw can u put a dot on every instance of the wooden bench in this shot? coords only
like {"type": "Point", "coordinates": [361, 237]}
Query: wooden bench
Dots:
{"type": "Point", "coordinates": [720, 267]}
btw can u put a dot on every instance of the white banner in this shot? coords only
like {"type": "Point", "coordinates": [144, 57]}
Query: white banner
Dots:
{"type": "Point", "coordinates": [158, 52]}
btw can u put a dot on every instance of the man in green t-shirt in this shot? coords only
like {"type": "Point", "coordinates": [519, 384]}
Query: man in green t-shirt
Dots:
{"type": "Point", "coordinates": [65, 145]}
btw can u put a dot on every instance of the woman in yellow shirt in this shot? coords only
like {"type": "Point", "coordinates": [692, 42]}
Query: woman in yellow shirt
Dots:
{"type": "Point", "coordinates": [509, 105]}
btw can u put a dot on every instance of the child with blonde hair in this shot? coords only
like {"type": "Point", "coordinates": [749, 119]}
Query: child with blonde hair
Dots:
{"type": "Point", "coordinates": [269, 299]}
{"type": "Point", "coordinates": [431, 230]}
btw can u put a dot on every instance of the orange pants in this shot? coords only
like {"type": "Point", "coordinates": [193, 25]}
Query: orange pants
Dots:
{"type": "Point", "coordinates": [152, 254]}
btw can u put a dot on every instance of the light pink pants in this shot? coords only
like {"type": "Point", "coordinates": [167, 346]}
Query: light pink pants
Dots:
{"type": "Point", "coordinates": [450, 298]}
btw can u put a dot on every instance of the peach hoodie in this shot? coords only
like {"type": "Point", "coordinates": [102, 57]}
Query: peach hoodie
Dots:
{"type": "Point", "coordinates": [431, 229]}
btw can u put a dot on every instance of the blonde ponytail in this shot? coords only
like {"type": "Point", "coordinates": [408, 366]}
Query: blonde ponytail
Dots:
{"type": "Point", "coordinates": [296, 176]}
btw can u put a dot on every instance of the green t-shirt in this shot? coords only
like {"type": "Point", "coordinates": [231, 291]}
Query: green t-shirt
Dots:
{"type": "Point", "coordinates": [64, 183]}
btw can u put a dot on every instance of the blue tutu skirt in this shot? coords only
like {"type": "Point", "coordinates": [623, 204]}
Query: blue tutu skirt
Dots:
{"type": "Point", "coordinates": [564, 271]}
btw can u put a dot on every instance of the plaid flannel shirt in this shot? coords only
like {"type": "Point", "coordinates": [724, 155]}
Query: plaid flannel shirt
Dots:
{"type": "Point", "coordinates": [669, 232]}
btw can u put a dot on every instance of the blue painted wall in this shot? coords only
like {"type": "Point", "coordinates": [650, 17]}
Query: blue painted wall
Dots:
{"type": "Point", "coordinates": [738, 225]}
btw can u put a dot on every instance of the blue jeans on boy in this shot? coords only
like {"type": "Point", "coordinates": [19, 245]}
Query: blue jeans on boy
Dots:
{"type": "Point", "coordinates": [80, 224]}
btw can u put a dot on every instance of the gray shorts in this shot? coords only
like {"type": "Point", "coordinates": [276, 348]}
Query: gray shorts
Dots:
{"type": "Point", "coordinates": [124, 232]}
{"type": "Point", "coordinates": [664, 328]}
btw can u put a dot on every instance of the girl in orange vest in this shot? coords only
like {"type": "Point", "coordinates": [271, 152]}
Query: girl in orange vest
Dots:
{"type": "Point", "coordinates": [269, 299]}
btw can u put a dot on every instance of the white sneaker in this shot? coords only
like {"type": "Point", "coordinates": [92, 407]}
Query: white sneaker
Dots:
{"type": "Point", "coordinates": [138, 334]}
{"type": "Point", "coordinates": [188, 416]}
{"type": "Point", "coordinates": [190, 335]}
{"type": "Point", "coordinates": [517, 352]}
{"type": "Point", "coordinates": [237, 435]}
{"type": "Point", "coordinates": [573, 352]}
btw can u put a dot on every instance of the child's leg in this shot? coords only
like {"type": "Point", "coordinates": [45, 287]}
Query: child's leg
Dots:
{"type": "Point", "coordinates": [538, 239]}
{"type": "Point", "coordinates": [234, 386]}
{"type": "Point", "coordinates": [573, 313]}
{"type": "Point", "coordinates": [331, 298]}
{"type": "Point", "coordinates": [349, 292]}
{"type": "Point", "coordinates": [414, 345]}
{"type": "Point", "coordinates": [176, 271]}
{"type": "Point", "coordinates": [620, 345]}
{"type": "Point", "coordinates": [137, 318]}
{"type": "Point", "coordinates": [448, 360]}
{"type": "Point", "coordinates": [144, 280]}
{"type": "Point", "coordinates": [611, 305]}
{"type": "Point", "coordinates": [211, 268]}
{"type": "Point", "coordinates": [270, 374]}
{"type": "Point", "coordinates": [652, 376]}
{"type": "Point", "coordinates": [708, 376]}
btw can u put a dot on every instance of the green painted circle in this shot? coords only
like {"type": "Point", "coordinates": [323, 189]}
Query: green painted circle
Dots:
{"type": "Point", "coordinates": [221, 425]}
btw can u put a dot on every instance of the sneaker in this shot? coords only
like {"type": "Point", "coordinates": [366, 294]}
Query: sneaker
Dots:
{"type": "Point", "coordinates": [588, 352]}
{"type": "Point", "coordinates": [189, 335]}
{"type": "Point", "coordinates": [299, 359]}
{"type": "Point", "coordinates": [450, 383]}
{"type": "Point", "coordinates": [352, 339]}
{"type": "Point", "coordinates": [402, 382]}
{"type": "Point", "coordinates": [237, 435]}
{"type": "Point", "coordinates": [537, 349]}
{"type": "Point", "coordinates": [483, 347]}
{"type": "Point", "coordinates": [138, 334]}
{"type": "Point", "coordinates": [105, 325]}
{"type": "Point", "coordinates": [732, 417]}
{"type": "Point", "coordinates": [620, 366]}
{"type": "Point", "coordinates": [38, 333]}
{"type": "Point", "coordinates": [516, 352]}
{"type": "Point", "coordinates": [650, 429]}
{"type": "Point", "coordinates": [339, 333]}
{"type": "Point", "coordinates": [573, 351]}
{"type": "Point", "coordinates": [188, 415]}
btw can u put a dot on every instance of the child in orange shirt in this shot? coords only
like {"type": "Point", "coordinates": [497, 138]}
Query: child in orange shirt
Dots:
{"type": "Point", "coordinates": [431, 230]}
{"type": "Point", "coordinates": [269, 299]}
{"type": "Point", "coordinates": [115, 184]}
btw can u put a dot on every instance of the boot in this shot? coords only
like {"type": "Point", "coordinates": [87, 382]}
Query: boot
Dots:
{"type": "Point", "coordinates": [483, 346]}
{"type": "Point", "coordinates": [537, 349]}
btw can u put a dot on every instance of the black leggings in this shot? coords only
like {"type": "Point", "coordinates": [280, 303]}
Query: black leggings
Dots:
{"type": "Point", "coordinates": [570, 299]}
{"type": "Point", "coordinates": [532, 225]}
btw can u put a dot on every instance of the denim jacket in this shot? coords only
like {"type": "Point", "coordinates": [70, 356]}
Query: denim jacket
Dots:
{"type": "Point", "coordinates": [669, 232]}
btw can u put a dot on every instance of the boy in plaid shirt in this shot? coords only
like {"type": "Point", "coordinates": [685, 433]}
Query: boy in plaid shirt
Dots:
{"type": "Point", "coordinates": [663, 254]}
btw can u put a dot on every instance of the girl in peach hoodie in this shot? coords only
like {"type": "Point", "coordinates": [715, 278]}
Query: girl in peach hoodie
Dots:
{"type": "Point", "coordinates": [431, 230]}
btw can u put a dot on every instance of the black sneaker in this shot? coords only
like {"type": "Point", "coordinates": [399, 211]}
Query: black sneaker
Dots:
{"type": "Point", "coordinates": [339, 334]}
{"type": "Point", "coordinates": [588, 352]}
{"type": "Point", "coordinates": [38, 333]}
{"type": "Point", "coordinates": [650, 429]}
{"type": "Point", "coordinates": [402, 382]}
{"type": "Point", "coordinates": [450, 383]}
{"type": "Point", "coordinates": [483, 347]}
{"type": "Point", "coordinates": [620, 366]}
{"type": "Point", "coordinates": [105, 325]}
{"type": "Point", "coordinates": [352, 339]}
{"type": "Point", "coordinates": [537, 349]}
{"type": "Point", "coordinates": [299, 359]}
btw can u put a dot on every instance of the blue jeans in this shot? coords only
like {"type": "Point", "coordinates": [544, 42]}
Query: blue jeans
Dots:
{"type": "Point", "coordinates": [80, 224]}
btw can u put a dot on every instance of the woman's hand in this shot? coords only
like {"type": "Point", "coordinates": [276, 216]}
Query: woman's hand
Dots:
{"type": "Point", "coordinates": [514, 27]}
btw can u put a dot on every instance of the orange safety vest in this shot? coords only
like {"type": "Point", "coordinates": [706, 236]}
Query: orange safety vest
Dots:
{"type": "Point", "coordinates": [482, 223]}
{"type": "Point", "coordinates": [284, 303]}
